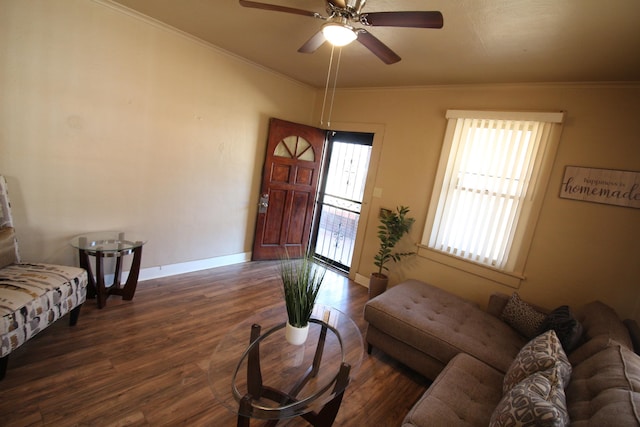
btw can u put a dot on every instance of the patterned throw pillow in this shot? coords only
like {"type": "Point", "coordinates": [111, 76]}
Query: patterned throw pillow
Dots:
{"type": "Point", "coordinates": [542, 353]}
{"type": "Point", "coordinates": [536, 401]}
{"type": "Point", "coordinates": [567, 328]}
{"type": "Point", "coordinates": [522, 317]}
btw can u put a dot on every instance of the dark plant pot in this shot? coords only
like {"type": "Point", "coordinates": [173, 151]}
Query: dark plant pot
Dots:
{"type": "Point", "coordinates": [377, 284]}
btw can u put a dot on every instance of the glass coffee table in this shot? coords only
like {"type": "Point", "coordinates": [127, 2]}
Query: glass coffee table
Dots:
{"type": "Point", "coordinates": [104, 245]}
{"type": "Point", "coordinates": [255, 373]}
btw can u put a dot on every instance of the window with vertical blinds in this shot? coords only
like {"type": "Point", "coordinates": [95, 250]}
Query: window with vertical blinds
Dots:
{"type": "Point", "coordinates": [486, 184]}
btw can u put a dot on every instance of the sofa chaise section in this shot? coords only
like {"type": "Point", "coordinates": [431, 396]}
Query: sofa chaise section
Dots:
{"type": "Point", "coordinates": [425, 327]}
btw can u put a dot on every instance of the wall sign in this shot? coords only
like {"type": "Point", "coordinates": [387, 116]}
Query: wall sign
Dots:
{"type": "Point", "coordinates": [608, 186]}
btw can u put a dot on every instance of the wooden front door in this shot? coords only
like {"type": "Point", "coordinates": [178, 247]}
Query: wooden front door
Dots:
{"type": "Point", "coordinates": [289, 184]}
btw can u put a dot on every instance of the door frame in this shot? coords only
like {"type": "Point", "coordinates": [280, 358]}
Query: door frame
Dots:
{"type": "Point", "coordinates": [370, 199]}
{"type": "Point", "coordinates": [350, 137]}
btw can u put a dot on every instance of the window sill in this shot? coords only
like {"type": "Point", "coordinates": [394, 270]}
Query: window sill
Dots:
{"type": "Point", "coordinates": [511, 280]}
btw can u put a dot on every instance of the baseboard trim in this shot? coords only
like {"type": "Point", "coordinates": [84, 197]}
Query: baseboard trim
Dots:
{"type": "Point", "coordinates": [185, 267]}
{"type": "Point", "coordinates": [362, 280]}
{"type": "Point", "coordinates": [191, 266]}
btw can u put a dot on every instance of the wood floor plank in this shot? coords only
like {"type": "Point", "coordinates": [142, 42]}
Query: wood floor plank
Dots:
{"type": "Point", "coordinates": [145, 362]}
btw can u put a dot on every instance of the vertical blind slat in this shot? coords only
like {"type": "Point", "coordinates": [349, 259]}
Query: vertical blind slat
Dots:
{"type": "Point", "coordinates": [509, 173]}
{"type": "Point", "coordinates": [461, 228]}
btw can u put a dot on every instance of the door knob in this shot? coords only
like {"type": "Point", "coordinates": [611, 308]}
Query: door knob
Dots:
{"type": "Point", "coordinates": [263, 204]}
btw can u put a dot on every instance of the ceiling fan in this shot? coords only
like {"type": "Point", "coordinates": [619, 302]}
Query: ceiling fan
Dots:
{"type": "Point", "coordinates": [339, 31]}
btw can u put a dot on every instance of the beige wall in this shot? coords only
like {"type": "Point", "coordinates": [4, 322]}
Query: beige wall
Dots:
{"type": "Point", "coordinates": [581, 251]}
{"type": "Point", "coordinates": [108, 121]}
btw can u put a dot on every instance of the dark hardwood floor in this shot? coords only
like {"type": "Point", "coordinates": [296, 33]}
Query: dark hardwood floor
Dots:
{"type": "Point", "coordinates": [144, 362]}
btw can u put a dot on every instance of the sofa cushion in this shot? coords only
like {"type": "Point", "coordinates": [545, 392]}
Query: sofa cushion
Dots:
{"type": "Point", "coordinates": [32, 296]}
{"type": "Point", "coordinates": [605, 388]}
{"type": "Point", "coordinates": [442, 325]}
{"type": "Point", "coordinates": [598, 318]}
{"type": "Point", "coordinates": [464, 394]}
{"type": "Point", "coordinates": [542, 353]}
{"type": "Point", "coordinates": [590, 348]}
{"type": "Point", "coordinates": [7, 246]}
{"type": "Point", "coordinates": [538, 400]}
{"type": "Point", "coordinates": [522, 316]}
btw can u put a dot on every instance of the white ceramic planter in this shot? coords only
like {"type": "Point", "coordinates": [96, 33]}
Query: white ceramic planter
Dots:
{"type": "Point", "coordinates": [296, 336]}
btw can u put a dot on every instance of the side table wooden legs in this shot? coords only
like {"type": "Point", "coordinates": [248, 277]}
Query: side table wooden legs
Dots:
{"type": "Point", "coordinates": [97, 287]}
{"type": "Point", "coordinates": [129, 289]}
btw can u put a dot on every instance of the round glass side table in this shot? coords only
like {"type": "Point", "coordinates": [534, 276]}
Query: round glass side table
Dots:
{"type": "Point", "coordinates": [104, 245]}
{"type": "Point", "coordinates": [255, 373]}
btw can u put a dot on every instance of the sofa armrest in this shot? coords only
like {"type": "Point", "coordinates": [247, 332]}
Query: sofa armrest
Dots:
{"type": "Point", "coordinates": [497, 302]}
{"type": "Point", "coordinates": [634, 332]}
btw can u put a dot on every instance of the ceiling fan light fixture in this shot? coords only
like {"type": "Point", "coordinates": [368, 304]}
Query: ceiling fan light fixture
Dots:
{"type": "Point", "coordinates": [339, 34]}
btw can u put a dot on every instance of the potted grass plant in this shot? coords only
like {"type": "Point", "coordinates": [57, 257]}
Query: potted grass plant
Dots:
{"type": "Point", "coordinates": [394, 225]}
{"type": "Point", "coordinates": [301, 281]}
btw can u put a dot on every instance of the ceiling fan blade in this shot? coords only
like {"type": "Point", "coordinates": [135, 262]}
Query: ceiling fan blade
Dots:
{"type": "Point", "coordinates": [276, 8]}
{"type": "Point", "coordinates": [424, 19]}
{"type": "Point", "coordinates": [378, 48]}
{"type": "Point", "coordinates": [313, 43]}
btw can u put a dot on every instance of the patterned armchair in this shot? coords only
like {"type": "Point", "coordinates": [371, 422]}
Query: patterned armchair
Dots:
{"type": "Point", "coordinates": [32, 295]}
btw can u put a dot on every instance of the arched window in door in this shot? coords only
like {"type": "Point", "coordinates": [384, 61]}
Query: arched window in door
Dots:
{"type": "Point", "coordinates": [295, 147]}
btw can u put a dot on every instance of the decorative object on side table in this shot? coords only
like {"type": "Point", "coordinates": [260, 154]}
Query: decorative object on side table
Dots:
{"type": "Point", "coordinates": [301, 280]}
{"type": "Point", "coordinates": [394, 225]}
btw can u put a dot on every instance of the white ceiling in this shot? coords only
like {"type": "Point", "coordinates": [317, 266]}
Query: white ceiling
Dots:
{"type": "Point", "coordinates": [482, 41]}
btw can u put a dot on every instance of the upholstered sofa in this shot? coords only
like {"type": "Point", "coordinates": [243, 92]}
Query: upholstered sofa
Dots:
{"type": "Point", "coordinates": [32, 295]}
{"type": "Point", "coordinates": [489, 367]}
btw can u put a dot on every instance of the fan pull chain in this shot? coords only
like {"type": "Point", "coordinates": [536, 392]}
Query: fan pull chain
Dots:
{"type": "Point", "coordinates": [326, 87]}
{"type": "Point", "coordinates": [335, 81]}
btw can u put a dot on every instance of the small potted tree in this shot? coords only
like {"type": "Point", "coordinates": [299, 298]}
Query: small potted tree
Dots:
{"type": "Point", "coordinates": [393, 226]}
{"type": "Point", "coordinates": [301, 280]}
